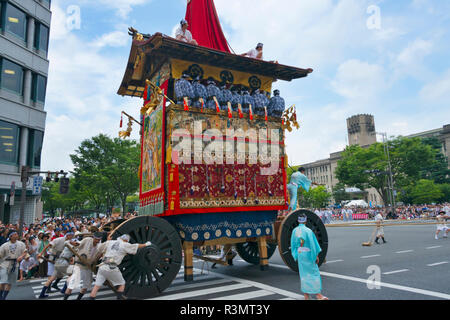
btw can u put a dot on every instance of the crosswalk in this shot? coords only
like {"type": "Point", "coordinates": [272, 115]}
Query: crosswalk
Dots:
{"type": "Point", "coordinates": [206, 286]}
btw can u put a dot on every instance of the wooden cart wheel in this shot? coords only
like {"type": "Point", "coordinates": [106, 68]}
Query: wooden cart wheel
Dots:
{"type": "Point", "coordinates": [152, 269]}
{"type": "Point", "coordinates": [112, 225]}
{"type": "Point", "coordinates": [249, 252]}
{"type": "Point", "coordinates": [284, 236]}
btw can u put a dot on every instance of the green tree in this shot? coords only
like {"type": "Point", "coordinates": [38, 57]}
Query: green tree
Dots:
{"type": "Point", "coordinates": [408, 157]}
{"type": "Point", "coordinates": [53, 200]}
{"type": "Point", "coordinates": [425, 191]}
{"type": "Point", "coordinates": [367, 167]}
{"type": "Point", "coordinates": [339, 193]}
{"type": "Point", "coordinates": [445, 189]}
{"type": "Point", "coordinates": [109, 166]}
{"type": "Point", "coordinates": [50, 197]}
{"type": "Point", "coordinates": [317, 197]}
{"type": "Point", "coordinates": [321, 197]}
{"type": "Point", "coordinates": [438, 170]}
{"type": "Point", "coordinates": [359, 167]}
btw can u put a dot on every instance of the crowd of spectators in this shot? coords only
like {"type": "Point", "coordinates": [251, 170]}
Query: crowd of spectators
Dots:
{"type": "Point", "coordinates": [37, 235]}
{"type": "Point", "coordinates": [401, 212]}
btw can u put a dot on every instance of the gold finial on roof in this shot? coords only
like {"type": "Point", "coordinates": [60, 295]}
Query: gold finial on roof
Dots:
{"type": "Point", "coordinates": [290, 119]}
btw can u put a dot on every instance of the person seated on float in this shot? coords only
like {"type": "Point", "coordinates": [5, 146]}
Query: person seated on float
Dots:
{"type": "Point", "coordinates": [183, 34]}
{"type": "Point", "coordinates": [255, 53]}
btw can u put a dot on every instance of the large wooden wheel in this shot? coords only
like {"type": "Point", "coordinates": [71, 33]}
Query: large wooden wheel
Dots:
{"type": "Point", "coordinates": [249, 252]}
{"type": "Point", "coordinates": [152, 269]}
{"type": "Point", "coordinates": [284, 236]}
{"type": "Point", "coordinates": [112, 225]}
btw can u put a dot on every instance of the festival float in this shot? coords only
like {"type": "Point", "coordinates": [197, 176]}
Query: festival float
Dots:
{"type": "Point", "coordinates": [208, 153]}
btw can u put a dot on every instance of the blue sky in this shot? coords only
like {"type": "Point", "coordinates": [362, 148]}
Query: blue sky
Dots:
{"type": "Point", "coordinates": [396, 67]}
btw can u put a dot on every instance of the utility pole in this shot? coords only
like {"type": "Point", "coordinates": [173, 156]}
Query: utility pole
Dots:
{"type": "Point", "coordinates": [390, 178]}
{"type": "Point", "coordinates": [23, 196]}
{"type": "Point", "coordinates": [25, 174]}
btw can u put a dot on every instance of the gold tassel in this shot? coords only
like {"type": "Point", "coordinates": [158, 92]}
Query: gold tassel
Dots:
{"type": "Point", "coordinates": [169, 154]}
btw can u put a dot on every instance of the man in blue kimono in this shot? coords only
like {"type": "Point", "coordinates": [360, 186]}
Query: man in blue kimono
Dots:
{"type": "Point", "coordinates": [298, 179]}
{"type": "Point", "coordinates": [305, 250]}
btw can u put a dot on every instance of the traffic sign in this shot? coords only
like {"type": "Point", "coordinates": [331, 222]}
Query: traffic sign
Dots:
{"type": "Point", "coordinates": [37, 185]}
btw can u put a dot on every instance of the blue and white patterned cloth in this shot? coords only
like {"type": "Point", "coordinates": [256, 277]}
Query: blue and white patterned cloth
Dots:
{"type": "Point", "coordinates": [276, 106]}
{"type": "Point", "coordinates": [210, 226]}
{"type": "Point", "coordinates": [212, 91]}
{"type": "Point", "coordinates": [235, 100]}
{"type": "Point", "coordinates": [199, 92]}
{"type": "Point", "coordinates": [261, 101]}
{"type": "Point", "coordinates": [225, 97]}
{"type": "Point", "coordinates": [183, 88]}
{"type": "Point", "coordinates": [247, 100]}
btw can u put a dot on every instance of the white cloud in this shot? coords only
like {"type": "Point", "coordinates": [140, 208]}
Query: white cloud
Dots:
{"type": "Point", "coordinates": [437, 91]}
{"type": "Point", "coordinates": [359, 80]}
{"type": "Point", "coordinates": [82, 98]}
{"type": "Point", "coordinates": [415, 52]}
{"type": "Point", "coordinates": [112, 39]}
{"type": "Point", "coordinates": [123, 7]}
{"type": "Point", "coordinates": [300, 33]}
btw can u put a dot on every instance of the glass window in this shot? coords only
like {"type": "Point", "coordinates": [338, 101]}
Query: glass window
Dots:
{"type": "Point", "coordinates": [9, 141]}
{"type": "Point", "coordinates": [16, 21]}
{"type": "Point", "coordinates": [41, 37]}
{"type": "Point", "coordinates": [2, 15]}
{"type": "Point", "coordinates": [11, 77]}
{"type": "Point", "coordinates": [35, 148]}
{"type": "Point", "coordinates": [39, 88]}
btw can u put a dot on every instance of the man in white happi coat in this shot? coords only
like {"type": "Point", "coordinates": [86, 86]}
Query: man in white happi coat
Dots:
{"type": "Point", "coordinates": [442, 225]}
{"type": "Point", "coordinates": [113, 253]}
{"type": "Point", "coordinates": [56, 248]}
{"type": "Point", "coordinates": [11, 254]}
{"type": "Point", "coordinates": [380, 231]}
{"type": "Point", "coordinates": [88, 251]}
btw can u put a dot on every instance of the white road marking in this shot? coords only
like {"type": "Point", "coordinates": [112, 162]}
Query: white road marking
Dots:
{"type": "Point", "coordinates": [404, 251]}
{"type": "Point", "coordinates": [434, 247]}
{"type": "Point", "coordinates": [210, 279]}
{"type": "Point", "coordinates": [382, 284]}
{"type": "Point", "coordinates": [372, 256]}
{"type": "Point", "coordinates": [262, 286]}
{"type": "Point", "coordinates": [437, 263]}
{"type": "Point", "coordinates": [246, 295]}
{"type": "Point", "coordinates": [333, 261]}
{"type": "Point", "coordinates": [396, 271]}
{"type": "Point", "coordinates": [74, 295]}
{"type": "Point", "coordinates": [197, 293]}
{"type": "Point", "coordinates": [196, 285]}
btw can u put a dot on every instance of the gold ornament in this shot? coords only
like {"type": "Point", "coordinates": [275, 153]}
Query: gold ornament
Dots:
{"type": "Point", "coordinates": [127, 133]}
{"type": "Point", "coordinates": [290, 119]}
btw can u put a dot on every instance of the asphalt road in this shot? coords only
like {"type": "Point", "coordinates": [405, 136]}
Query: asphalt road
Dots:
{"type": "Point", "coordinates": [412, 265]}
